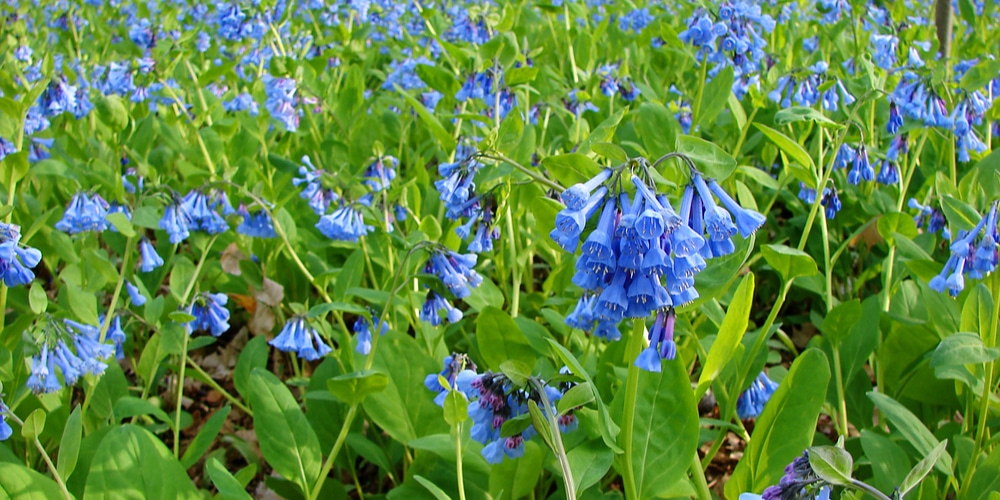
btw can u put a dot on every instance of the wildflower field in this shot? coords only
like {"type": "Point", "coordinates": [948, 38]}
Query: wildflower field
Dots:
{"type": "Point", "coordinates": [492, 249]}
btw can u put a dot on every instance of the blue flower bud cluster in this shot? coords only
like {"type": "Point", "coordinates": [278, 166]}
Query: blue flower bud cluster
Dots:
{"type": "Point", "coordinates": [196, 211]}
{"type": "Point", "coordinates": [612, 84]}
{"type": "Point", "coordinates": [488, 86]}
{"type": "Point", "coordinates": [928, 217]}
{"type": "Point", "coordinates": [643, 255]}
{"type": "Point", "coordinates": [5, 430]}
{"type": "Point", "coordinates": [73, 348]}
{"type": "Point", "coordinates": [973, 254]}
{"type": "Point", "coordinates": [751, 402]}
{"type": "Point", "coordinates": [300, 337]}
{"type": "Point", "coordinates": [805, 91]}
{"type": "Point", "coordinates": [799, 481]}
{"type": "Point", "coordinates": [457, 190]}
{"type": "Point", "coordinates": [830, 200]}
{"type": "Point", "coordinates": [210, 314]}
{"type": "Point", "coordinates": [16, 260]}
{"type": "Point", "coordinates": [434, 304]}
{"type": "Point", "coordinates": [458, 373]}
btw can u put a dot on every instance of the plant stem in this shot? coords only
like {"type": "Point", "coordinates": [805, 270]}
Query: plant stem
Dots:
{"type": "Point", "coordinates": [698, 477]}
{"type": "Point", "coordinates": [458, 461]}
{"type": "Point", "coordinates": [515, 272]}
{"type": "Point", "coordinates": [129, 244]}
{"type": "Point", "coordinates": [559, 450]}
{"type": "Point", "coordinates": [628, 416]}
{"type": "Point", "coordinates": [990, 340]}
{"type": "Point", "coordinates": [527, 171]}
{"type": "Point", "coordinates": [861, 485]}
{"type": "Point", "coordinates": [215, 385]}
{"type": "Point", "coordinates": [45, 457]}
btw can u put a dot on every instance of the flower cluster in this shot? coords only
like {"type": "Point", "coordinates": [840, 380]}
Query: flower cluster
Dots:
{"type": "Point", "coordinates": [928, 217]}
{"type": "Point", "coordinates": [281, 101]}
{"type": "Point", "coordinates": [457, 190]}
{"type": "Point", "coordinates": [257, 224]}
{"type": "Point", "coordinates": [5, 429]}
{"type": "Point", "coordinates": [805, 91]}
{"type": "Point", "coordinates": [973, 254]}
{"type": "Point", "coordinates": [643, 255]}
{"type": "Point", "coordinates": [751, 402]}
{"type": "Point", "coordinates": [196, 211]}
{"type": "Point", "coordinates": [458, 373]}
{"type": "Point", "coordinates": [300, 337]}
{"type": "Point", "coordinates": [612, 84]}
{"type": "Point", "coordinates": [149, 259]}
{"type": "Point", "coordinates": [500, 401]}
{"type": "Point", "coordinates": [319, 198]}
{"type": "Point", "coordinates": [16, 260]}
{"type": "Point", "coordinates": [210, 313]}
{"type": "Point", "coordinates": [84, 213]}
{"type": "Point", "coordinates": [363, 333]}
{"type": "Point", "coordinates": [74, 348]}
{"type": "Point", "coordinates": [433, 305]}
{"type": "Point", "coordinates": [455, 270]}
{"type": "Point", "coordinates": [799, 481]}
{"type": "Point", "coordinates": [830, 201]}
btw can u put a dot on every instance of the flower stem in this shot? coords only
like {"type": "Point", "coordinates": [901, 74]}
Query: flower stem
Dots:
{"type": "Point", "coordinates": [560, 450]}
{"type": "Point", "coordinates": [458, 461]}
{"type": "Point", "coordinates": [215, 385]}
{"type": "Point", "coordinates": [45, 457]}
{"type": "Point", "coordinates": [527, 171]}
{"type": "Point", "coordinates": [698, 477]}
{"type": "Point", "coordinates": [118, 288]}
{"type": "Point", "coordinates": [628, 412]}
{"type": "Point", "coordinates": [990, 340]}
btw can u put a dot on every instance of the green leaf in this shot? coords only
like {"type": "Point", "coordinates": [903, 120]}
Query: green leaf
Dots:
{"type": "Point", "coordinates": [923, 468]}
{"type": "Point", "coordinates": [83, 305]}
{"type": "Point", "coordinates": [540, 423]}
{"type": "Point", "coordinates": [609, 431]}
{"type": "Point", "coordinates": [730, 335]}
{"type": "Point", "coordinates": [229, 487]}
{"type": "Point", "coordinates": [404, 409]}
{"type": "Point", "coordinates": [121, 223]}
{"type": "Point", "coordinates": [111, 111]}
{"type": "Point", "coordinates": [16, 165]}
{"type": "Point", "coordinates": [34, 424]}
{"type": "Point", "coordinates": [785, 427]}
{"type": "Point", "coordinates": [961, 349]}
{"type": "Point", "coordinates": [711, 160]}
{"type": "Point", "coordinates": [515, 425]}
{"type": "Point", "coordinates": [456, 408]}
{"type": "Point", "coordinates": [500, 339]}
{"type": "Point", "coordinates": [289, 445]}
{"type": "Point", "coordinates": [511, 130]}
{"type": "Point", "coordinates": [960, 215]}
{"type": "Point", "coordinates": [438, 493]}
{"type": "Point", "coordinates": [37, 299]}
{"type": "Point", "coordinates": [253, 355]}
{"type": "Point", "coordinates": [977, 313]}
{"type": "Point", "coordinates": [665, 427]}
{"type": "Point", "coordinates": [353, 388]}
{"type": "Point", "coordinates": [610, 151]}
{"type": "Point", "coordinates": [589, 462]}
{"type": "Point", "coordinates": [517, 478]}
{"type": "Point", "coordinates": [69, 445]}
{"type": "Point", "coordinates": [18, 481]}
{"type": "Point", "coordinates": [524, 74]}
{"type": "Point", "coordinates": [715, 97]}
{"type": "Point", "coordinates": [517, 371]}
{"type": "Point", "coordinates": [895, 222]}
{"type": "Point", "coordinates": [840, 320]}
{"type": "Point", "coordinates": [132, 463]}
{"type": "Point", "coordinates": [985, 481]}
{"type": "Point", "coordinates": [888, 460]}
{"type": "Point", "coordinates": [802, 113]}
{"type": "Point", "coordinates": [979, 75]}
{"type": "Point", "coordinates": [789, 262]}
{"type": "Point", "coordinates": [793, 149]}
{"type": "Point", "coordinates": [350, 274]}
{"type": "Point", "coordinates": [577, 396]}
{"type": "Point", "coordinates": [205, 437]}
{"type": "Point", "coordinates": [603, 132]}
{"type": "Point", "coordinates": [833, 465]}
{"type": "Point", "coordinates": [131, 406]}
{"type": "Point", "coordinates": [657, 128]}
{"type": "Point", "coordinates": [444, 138]}
{"type": "Point", "coordinates": [438, 79]}
{"type": "Point", "coordinates": [251, 273]}
{"type": "Point", "coordinates": [571, 168]}
{"type": "Point", "coordinates": [911, 428]}
{"type": "Point", "coordinates": [321, 309]}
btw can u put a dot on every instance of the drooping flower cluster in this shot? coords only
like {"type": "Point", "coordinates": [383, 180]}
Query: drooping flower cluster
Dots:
{"type": "Point", "coordinates": [196, 211]}
{"type": "Point", "coordinates": [751, 402]}
{"type": "Point", "coordinates": [16, 260]}
{"type": "Point", "coordinates": [300, 337]}
{"type": "Point", "coordinates": [363, 333]}
{"type": "Point", "coordinates": [973, 254]}
{"type": "Point", "coordinates": [149, 259]}
{"type": "Point", "coordinates": [256, 224]}
{"type": "Point", "coordinates": [928, 217]}
{"type": "Point", "coordinates": [71, 347]}
{"type": "Point", "coordinates": [457, 190]}
{"type": "Point", "coordinates": [210, 313]}
{"type": "Point", "coordinates": [84, 213]}
{"type": "Point", "coordinates": [612, 84]}
{"type": "Point", "coordinates": [643, 255]}
{"type": "Point", "coordinates": [458, 373]}
{"type": "Point", "coordinates": [455, 270]}
{"type": "Point", "coordinates": [433, 305]}
{"type": "Point", "coordinates": [805, 91]}
{"type": "Point", "coordinates": [799, 481]}
{"type": "Point", "coordinates": [281, 101]}
{"type": "Point", "coordinates": [404, 75]}
{"type": "Point", "coordinates": [500, 401]}
{"type": "Point", "coordinates": [830, 201]}
{"type": "Point", "coordinates": [5, 430]}
{"type": "Point", "coordinates": [319, 198]}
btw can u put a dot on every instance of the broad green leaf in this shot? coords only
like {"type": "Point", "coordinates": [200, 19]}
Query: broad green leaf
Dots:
{"type": "Point", "coordinates": [710, 159]}
{"type": "Point", "coordinates": [610, 151]}
{"type": "Point", "coordinates": [289, 444]}
{"type": "Point", "coordinates": [517, 371]}
{"type": "Point", "coordinates": [665, 434]}
{"type": "Point", "coordinates": [20, 482]}
{"type": "Point", "coordinates": [111, 111]}
{"type": "Point", "coordinates": [435, 490]}
{"type": "Point", "coordinates": [895, 222]}
{"type": "Point", "coordinates": [960, 215]}
{"type": "Point", "coordinates": [205, 437]}
{"type": "Point", "coordinates": [511, 130]}
{"type": "Point", "coordinates": [923, 468]}
{"type": "Point", "coordinates": [438, 79]}
{"type": "Point", "coordinates": [657, 128]}
{"type": "Point", "coordinates": [353, 388]}
{"type": "Point", "coordinates": [253, 355]}
{"type": "Point", "coordinates": [500, 339]}
{"type": "Point", "coordinates": [962, 348]}
{"type": "Point", "coordinates": [69, 445]}
{"type": "Point", "coordinates": [321, 309]}
{"type": "Point", "coordinates": [404, 410]}
{"type": "Point", "coordinates": [603, 132]}
{"type": "Point", "coordinates": [121, 223]}
{"type": "Point", "coordinates": [83, 304]}
{"type": "Point", "coordinates": [571, 168]}
{"type": "Point", "coordinates": [786, 426]}
{"type": "Point", "coordinates": [977, 313]}
{"type": "Point", "coordinates": [131, 406]}
{"type": "Point", "coordinates": [589, 462]}
{"type": "Point", "coordinates": [888, 461]}
{"type": "Point", "coordinates": [229, 487]}
{"type": "Point", "coordinates": [609, 431]}
{"type": "Point", "coordinates": [540, 423]}
{"type": "Point", "coordinates": [789, 262]}
{"type": "Point", "coordinates": [37, 299]}
{"type": "Point", "coordinates": [443, 137]}
{"type": "Point", "coordinates": [985, 481]}
{"type": "Point", "coordinates": [802, 113]}
{"type": "Point", "coordinates": [34, 424]}
{"type": "Point", "coordinates": [979, 75]}
{"type": "Point", "coordinates": [833, 465]}
{"type": "Point", "coordinates": [524, 74]}
{"type": "Point", "coordinates": [577, 396]}
{"type": "Point", "coordinates": [133, 463]}
{"type": "Point", "coordinates": [517, 478]}
{"type": "Point", "coordinates": [730, 334]}
{"type": "Point", "coordinates": [516, 425]}
{"type": "Point", "coordinates": [840, 320]}
{"type": "Point", "coordinates": [911, 428]}
{"type": "Point", "coordinates": [715, 96]}
{"type": "Point", "coordinates": [456, 408]}
{"type": "Point", "coordinates": [350, 274]}
{"type": "Point", "coordinates": [791, 148]}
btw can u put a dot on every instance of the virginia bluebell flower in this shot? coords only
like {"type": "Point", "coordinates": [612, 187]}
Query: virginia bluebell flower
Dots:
{"type": "Point", "coordinates": [16, 260]}
{"type": "Point", "coordinates": [84, 213]}
{"type": "Point", "coordinates": [300, 337]}
{"type": "Point", "coordinates": [430, 312]}
{"type": "Point", "coordinates": [116, 335]}
{"type": "Point", "coordinates": [466, 28]}
{"type": "Point", "coordinates": [312, 188]}
{"type": "Point", "coordinates": [661, 342]}
{"type": "Point", "coordinates": [973, 253]}
{"type": "Point", "coordinates": [455, 270]}
{"type": "Point", "coordinates": [210, 313]}
{"type": "Point", "coordinates": [459, 371]}
{"type": "Point", "coordinates": [635, 20]}
{"type": "Point", "coordinates": [751, 402]}
{"type": "Point", "coordinates": [888, 173]}
{"type": "Point", "coordinates": [257, 224]}
{"type": "Point", "coordinates": [927, 216]}
{"type": "Point", "coordinates": [497, 403]}
{"type": "Point", "coordinates": [572, 103]}
{"type": "Point", "coordinates": [133, 292]}
{"type": "Point", "coordinates": [6, 148]}
{"type": "Point", "coordinates": [202, 214]}
{"type": "Point", "coordinates": [884, 48]}
{"type": "Point", "coordinates": [363, 333]}
{"type": "Point", "coordinates": [5, 430]}
{"type": "Point", "coordinates": [380, 173]}
{"type": "Point", "coordinates": [799, 482]}
{"type": "Point", "coordinates": [281, 101]}
{"type": "Point", "coordinates": [73, 348]}
{"type": "Point", "coordinates": [734, 40]}
{"type": "Point", "coordinates": [344, 224]}
{"type": "Point", "coordinates": [861, 167]}
{"type": "Point", "coordinates": [456, 187]}
{"type": "Point", "coordinates": [149, 258]}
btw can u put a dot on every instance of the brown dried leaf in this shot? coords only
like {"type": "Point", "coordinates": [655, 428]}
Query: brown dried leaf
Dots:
{"type": "Point", "coordinates": [272, 294]}
{"type": "Point", "coordinates": [230, 260]}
